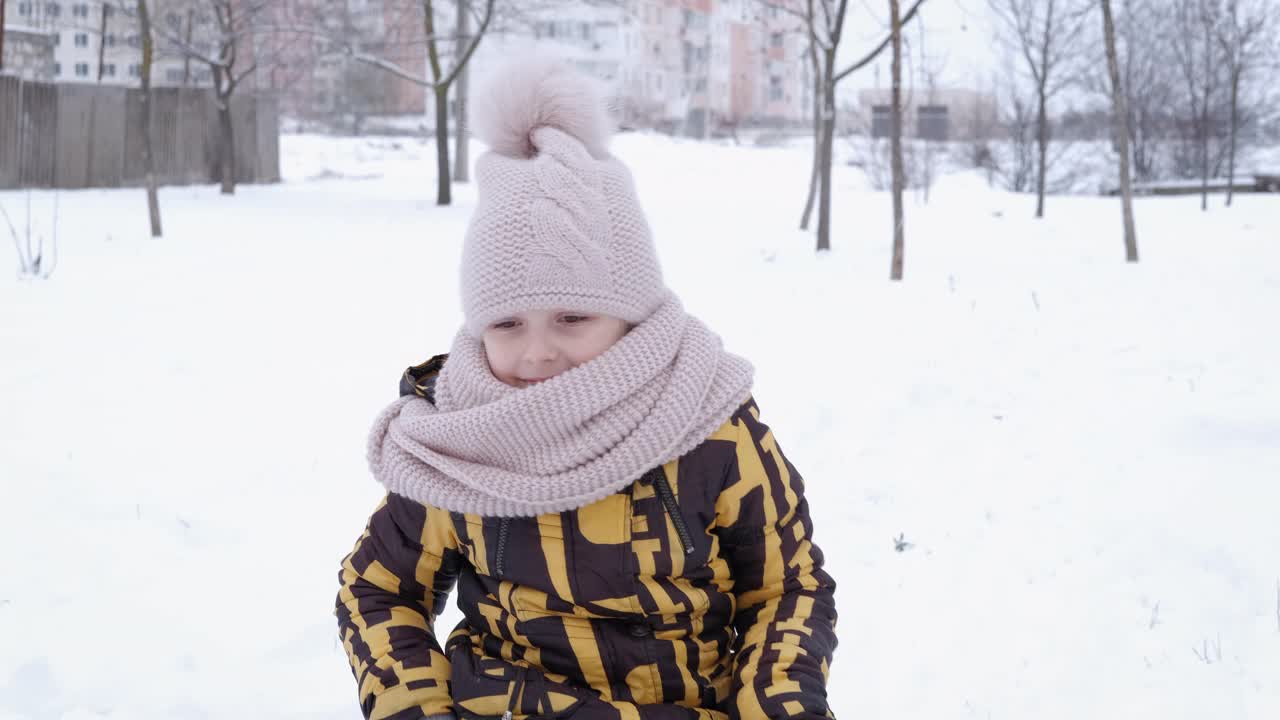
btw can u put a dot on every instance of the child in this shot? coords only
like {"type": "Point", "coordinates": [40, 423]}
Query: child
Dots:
{"type": "Point", "coordinates": [587, 466]}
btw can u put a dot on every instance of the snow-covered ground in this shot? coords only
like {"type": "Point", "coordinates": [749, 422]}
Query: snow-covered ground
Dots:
{"type": "Point", "coordinates": [1083, 455]}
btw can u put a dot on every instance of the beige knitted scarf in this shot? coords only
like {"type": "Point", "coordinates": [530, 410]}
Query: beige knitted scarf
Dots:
{"type": "Point", "coordinates": [488, 448]}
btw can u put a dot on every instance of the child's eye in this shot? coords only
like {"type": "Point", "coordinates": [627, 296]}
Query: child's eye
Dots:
{"type": "Point", "coordinates": [504, 325]}
{"type": "Point", "coordinates": [576, 319]}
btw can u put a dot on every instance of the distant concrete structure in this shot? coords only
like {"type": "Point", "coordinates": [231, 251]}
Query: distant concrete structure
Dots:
{"type": "Point", "coordinates": [941, 114]}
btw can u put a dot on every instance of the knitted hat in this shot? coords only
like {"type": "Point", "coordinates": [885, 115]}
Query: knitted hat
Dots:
{"type": "Point", "coordinates": [557, 223]}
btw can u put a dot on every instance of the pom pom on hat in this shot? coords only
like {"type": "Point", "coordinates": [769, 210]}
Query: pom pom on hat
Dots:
{"type": "Point", "coordinates": [541, 91]}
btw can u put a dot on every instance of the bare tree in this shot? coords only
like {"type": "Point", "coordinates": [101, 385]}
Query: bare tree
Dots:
{"type": "Point", "coordinates": [442, 78]}
{"type": "Point", "coordinates": [1119, 113]}
{"type": "Point", "coordinates": [186, 58]}
{"type": "Point", "coordinates": [1149, 81]}
{"type": "Point", "coordinates": [825, 20]}
{"type": "Point", "coordinates": [235, 33]}
{"type": "Point", "coordinates": [1148, 78]}
{"type": "Point", "coordinates": [34, 259]}
{"type": "Point", "coordinates": [148, 154]}
{"type": "Point", "coordinates": [462, 160]}
{"type": "Point", "coordinates": [895, 139]}
{"type": "Point", "coordinates": [2, 34]}
{"type": "Point", "coordinates": [1017, 172]}
{"type": "Point", "coordinates": [815, 74]}
{"type": "Point", "coordinates": [1046, 33]}
{"type": "Point", "coordinates": [102, 43]}
{"type": "Point", "coordinates": [815, 70]}
{"type": "Point", "coordinates": [1197, 58]}
{"type": "Point", "coordinates": [1240, 40]}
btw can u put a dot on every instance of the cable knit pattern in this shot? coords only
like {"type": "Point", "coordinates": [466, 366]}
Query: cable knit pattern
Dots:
{"type": "Point", "coordinates": [557, 221]}
{"type": "Point", "coordinates": [489, 448]}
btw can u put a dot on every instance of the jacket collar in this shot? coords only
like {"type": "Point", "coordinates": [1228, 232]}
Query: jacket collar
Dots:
{"type": "Point", "coordinates": [421, 379]}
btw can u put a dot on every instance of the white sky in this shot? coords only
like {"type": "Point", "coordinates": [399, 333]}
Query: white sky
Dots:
{"type": "Point", "coordinates": [958, 41]}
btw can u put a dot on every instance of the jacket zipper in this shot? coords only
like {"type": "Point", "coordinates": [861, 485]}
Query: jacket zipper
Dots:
{"type": "Point", "coordinates": [673, 510]}
{"type": "Point", "coordinates": [503, 529]}
{"type": "Point", "coordinates": [668, 503]}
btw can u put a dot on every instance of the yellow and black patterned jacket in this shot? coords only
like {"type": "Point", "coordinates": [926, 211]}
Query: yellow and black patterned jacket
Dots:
{"type": "Point", "coordinates": [697, 592]}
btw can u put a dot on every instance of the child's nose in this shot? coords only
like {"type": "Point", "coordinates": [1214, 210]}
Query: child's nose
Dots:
{"type": "Point", "coordinates": [540, 350]}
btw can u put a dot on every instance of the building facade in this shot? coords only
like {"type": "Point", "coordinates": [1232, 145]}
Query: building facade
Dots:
{"type": "Point", "coordinates": [28, 53]}
{"type": "Point", "coordinates": [695, 67]}
{"type": "Point", "coordinates": [95, 42]}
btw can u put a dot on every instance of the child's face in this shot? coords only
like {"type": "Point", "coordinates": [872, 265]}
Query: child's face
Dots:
{"type": "Point", "coordinates": [535, 345]}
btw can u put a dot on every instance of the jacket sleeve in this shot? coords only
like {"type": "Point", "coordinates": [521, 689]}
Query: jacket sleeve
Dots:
{"type": "Point", "coordinates": [786, 613]}
{"type": "Point", "coordinates": [392, 585]}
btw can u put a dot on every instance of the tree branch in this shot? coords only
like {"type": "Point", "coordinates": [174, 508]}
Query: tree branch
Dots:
{"type": "Point", "coordinates": [471, 46]}
{"type": "Point", "coordinates": [869, 57]}
{"type": "Point", "coordinates": [388, 66]}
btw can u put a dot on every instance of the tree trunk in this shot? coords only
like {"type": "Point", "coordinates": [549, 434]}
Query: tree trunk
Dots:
{"type": "Point", "coordinates": [813, 180]}
{"type": "Point", "coordinates": [226, 150]}
{"type": "Point", "coordinates": [462, 161]}
{"type": "Point", "coordinates": [186, 57]}
{"type": "Point", "coordinates": [102, 45]}
{"type": "Point", "coordinates": [1042, 140]}
{"type": "Point", "coordinates": [706, 85]}
{"type": "Point", "coordinates": [1119, 116]}
{"type": "Point", "coordinates": [444, 194]}
{"type": "Point", "coordinates": [1231, 152]}
{"type": "Point", "coordinates": [895, 140]}
{"type": "Point", "coordinates": [93, 102]}
{"type": "Point", "coordinates": [817, 133]}
{"type": "Point", "coordinates": [148, 157]}
{"type": "Point", "coordinates": [1204, 117]}
{"type": "Point", "coordinates": [824, 175]}
{"type": "Point", "coordinates": [2, 34]}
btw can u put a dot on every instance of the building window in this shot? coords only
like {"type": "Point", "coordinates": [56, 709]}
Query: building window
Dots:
{"type": "Point", "coordinates": [135, 70]}
{"type": "Point", "coordinates": [932, 122]}
{"type": "Point", "coordinates": [775, 40]}
{"type": "Point", "coordinates": [24, 9]}
{"type": "Point", "coordinates": [82, 69]}
{"type": "Point", "coordinates": [133, 41]}
{"type": "Point", "coordinates": [82, 39]}
{"type": "Point", "coordinates": [109, 69]}
{"type": "Point", "coordinates": [107, 10]}
{"type": "Point", "coordinates": [775, 88]}
{"type": "Point", "coordinates": [173, 75]}
{"type": "Point", "coordinates": [80, 10]}
{"type": "Point", "coordinates": [111, 38]}
{"type": "Point", "coordinates": [53, 9]}
{"type": "Point", "coordinates": [57, 69]}
{"type": "Point", "coordinates": [57, 39]}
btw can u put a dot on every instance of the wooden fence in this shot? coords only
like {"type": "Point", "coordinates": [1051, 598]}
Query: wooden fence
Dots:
{"type": "Point", "coordinates": [63, 135]}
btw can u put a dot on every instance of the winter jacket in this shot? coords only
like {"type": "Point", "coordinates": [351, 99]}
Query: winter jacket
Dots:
{"type": "Point", "coordinates": [697, 592]}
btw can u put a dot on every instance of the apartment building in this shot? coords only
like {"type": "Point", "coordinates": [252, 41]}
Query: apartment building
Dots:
{"type": "Point", "coordinates": [675, 64]}
{"type": "Point", "coordinates": [95, 42]}
{"type": "Point", "coordinates": [689, 66]}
